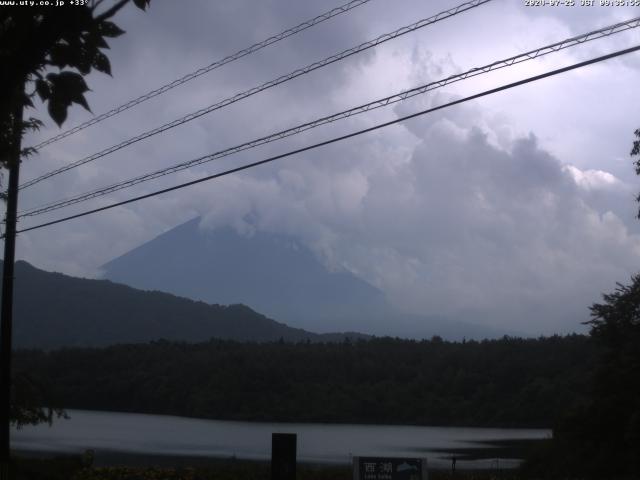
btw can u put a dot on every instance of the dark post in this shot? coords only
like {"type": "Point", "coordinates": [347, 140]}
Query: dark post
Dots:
{"type": "Point", "coordinates": [283, 456]}
{"type": "Point", "coordinates": [6, 310]}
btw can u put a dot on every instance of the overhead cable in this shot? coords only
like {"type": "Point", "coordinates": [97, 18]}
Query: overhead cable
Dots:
{"type": "Point", "coordinates": [201, 71]}
{"type": "Point", "coordinates": [272, 83]}
{"type": "Point", "coordinates": [383, 102]}
{"type": "Point", "coordinates": [336, 139]}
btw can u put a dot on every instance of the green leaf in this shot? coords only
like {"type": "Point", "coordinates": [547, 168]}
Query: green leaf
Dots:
{"type": "Point", "coordinates": [101, 63]}
{"type": "Point", "coordinates": [33, 124]}
{"type": "Point", "coordinates": [84, 61]}
{"type": "Point", "coordinates": [60, 55]}
{"type": "Point", "coordinates": [26, 100]}
{"type": "Point", "coordinates": [79, 99]}
{"type": "Point", "coordinates": [66, 88]}
{"type": "Point", "coordinates": [110, 29]}
{"type": "Point", "coordinates": [94, 39]}
{"type": "Point", "coordinates": [141, 4]}
{"type": "Point", "coordinates": [43, 89]}
{"type": "Point", "coordinates": [66, 83]}
{"type": "Point", "coordinates": [58, 111]}
{"type": "Point", "coordinates": [28, 152]}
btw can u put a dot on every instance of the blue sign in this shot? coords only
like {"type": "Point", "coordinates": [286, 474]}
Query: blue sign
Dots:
{"type": "Point", "coordinates": [389, 468]}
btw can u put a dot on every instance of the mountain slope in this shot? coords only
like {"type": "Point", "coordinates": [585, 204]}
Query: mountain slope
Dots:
{"type": "Point", "coordinates": [53, 310]}
{"type": "Point", "coordinates": [273, 274]}
{"type": "Point", "coordinates": [276, 275]}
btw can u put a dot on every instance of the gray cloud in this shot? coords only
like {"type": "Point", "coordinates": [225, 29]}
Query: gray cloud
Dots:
{"type": "Point", "coordinates": [516, 210]}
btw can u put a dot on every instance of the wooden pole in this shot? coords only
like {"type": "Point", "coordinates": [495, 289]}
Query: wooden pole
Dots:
{"type": "Point", "coordinates": [6, 309]}
{"type": "Point", "coordinates": [283, 456]}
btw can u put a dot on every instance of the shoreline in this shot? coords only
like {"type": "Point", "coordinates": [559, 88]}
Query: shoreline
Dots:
{"type": "Point", "coordinates": [72, 467]}
{"type": "Point", "coordinates": [468, 459]}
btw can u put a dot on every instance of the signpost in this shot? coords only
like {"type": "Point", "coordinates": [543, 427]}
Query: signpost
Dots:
{"type": "Point", "coordinates": [389, 468]}
{"type": "Point", "coordinates": [283, 456]}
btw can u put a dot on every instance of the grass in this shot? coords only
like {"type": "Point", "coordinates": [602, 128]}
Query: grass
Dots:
{"type": "Point", "coordinates": [72, 468]}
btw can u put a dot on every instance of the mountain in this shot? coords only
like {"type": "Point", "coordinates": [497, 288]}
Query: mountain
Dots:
{"type": "Point", "coordinates": [53, 310]}
{"type": "Point", "coordinates": [273, 274]}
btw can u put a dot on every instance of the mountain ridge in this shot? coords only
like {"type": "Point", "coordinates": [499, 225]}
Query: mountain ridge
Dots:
{"type": "Point", "coordinates": [54, 310]}
{"type": "Point", "coordinates": [274, 274]}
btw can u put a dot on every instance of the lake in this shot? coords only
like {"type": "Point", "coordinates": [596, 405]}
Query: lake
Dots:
{"type": "Point", "coordinates": [140, 434]}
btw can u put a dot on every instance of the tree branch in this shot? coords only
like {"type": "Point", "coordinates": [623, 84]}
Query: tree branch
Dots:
{"type": "Point", "coordinates": [112, 11]}
{"type": "Point", "coordinates": [96, 4]}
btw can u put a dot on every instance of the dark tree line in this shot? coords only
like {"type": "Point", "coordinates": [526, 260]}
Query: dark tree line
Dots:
{"type": "Point", "coordinates": [601, 438]}
{"type": "Point", "coordinates": [507, 382]}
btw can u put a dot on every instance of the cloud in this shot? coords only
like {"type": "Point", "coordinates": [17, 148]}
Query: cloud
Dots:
{"type": "Point", "coordinates": [462, 228]}
{"type": "Point", "coordinates": [516, 211]}
{"type": "Point", "coordinates": [593, 179]}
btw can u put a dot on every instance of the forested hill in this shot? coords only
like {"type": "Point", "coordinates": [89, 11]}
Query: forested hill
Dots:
{"type": "Point", "coordinates": [507, 382]}
{"type": "Point", "coordinates": [54, 310]}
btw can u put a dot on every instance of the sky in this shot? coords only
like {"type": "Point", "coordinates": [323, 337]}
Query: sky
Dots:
{"type": "Point", "coordinates": [515, 211]}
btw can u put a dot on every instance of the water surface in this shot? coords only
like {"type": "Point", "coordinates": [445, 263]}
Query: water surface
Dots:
{"type": "Point", "coordinates": [318, 443]}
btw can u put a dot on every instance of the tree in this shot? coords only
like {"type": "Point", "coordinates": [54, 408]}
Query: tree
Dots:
{"type": "Point", "coordinates": [29, 398]}
{"type": "Point", "coordinates": [33, 40]}
{"type": "Point", "coordinates": [602, 438]}
{"type": "Point", "coordinates": [615, 410]}
{"type": "Point", "coordinates": [636, 151]}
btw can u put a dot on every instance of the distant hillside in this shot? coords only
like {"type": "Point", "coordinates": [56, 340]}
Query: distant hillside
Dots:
{"type": "Point", "coordinates": [276, 275]}
{"type": "Point", "coordinates": [54, 310]}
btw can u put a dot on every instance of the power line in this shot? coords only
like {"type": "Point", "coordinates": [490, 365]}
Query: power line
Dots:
{"type": "Point", "coordinates": [389, 100]}
{"type": "Point", "coordinates": [340, 138]}
{"type": "Point", "coordinates": [201, 71]}
{"type": "Point", "coordinates": [272, 83]}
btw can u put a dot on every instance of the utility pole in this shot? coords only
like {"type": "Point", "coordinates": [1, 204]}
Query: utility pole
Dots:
{"type": "Point", "coordinates": [6, 309]}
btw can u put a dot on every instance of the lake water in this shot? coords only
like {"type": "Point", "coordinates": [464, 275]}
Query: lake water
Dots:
{"type": "Point", "coordinates": [317, 443]}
